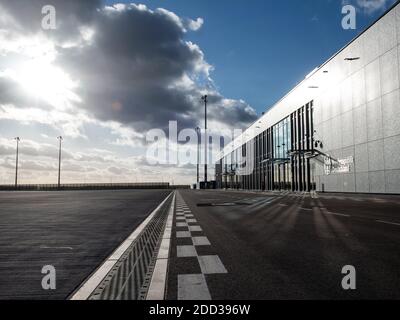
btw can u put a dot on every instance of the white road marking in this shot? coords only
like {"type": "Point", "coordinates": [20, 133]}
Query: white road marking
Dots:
{"type": "Point", "coordinates": [195, 229]}
{"type": "Point", "coordinates": [186, 251]}
{"type": "Point", "coordinates": [158, 282]}
{"type": "Point", "coordinates": [338, 214]}
{"type": "Point", "coordinates": [87, 288]}
{"type": "Point", "coordinates": [58, 248]}
{"type": "Point", "coordinates": [201, 241]}
{"type": "Point", "coordinates": [183, 234]}
{"type": "Point", "coordinates": [181, 225]}
{"type": "Point", "coordinates": [211, 265]}
{"type": "Point", "coordinates": [261, 203]}
{"type": "Point", "coordinates": [164, 249]}
{"type": "Point", "coordinates": [167, 233]}
{"type": "Point", "coordinates": [314, 195]}
{"type": "Point", "coordinates": [192, 287]}
{"type": "Point", "coordinates": [387, 222]}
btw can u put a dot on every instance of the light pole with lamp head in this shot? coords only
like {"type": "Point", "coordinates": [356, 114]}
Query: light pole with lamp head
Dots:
{"type": "Point", "coordinates": [205, 99]}
{"type": "Point", "coordinates": [16, 163]}
{"type": "Point", "coordinates": [60, 138]}
{"type": "Point", "coordinates": [198, 130]}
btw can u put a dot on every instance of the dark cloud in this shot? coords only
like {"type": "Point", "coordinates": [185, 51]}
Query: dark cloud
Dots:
{"type": "Point", "coordinates": [133, 68]}
{"type": "Point", "coordinates": [237, 114]}
{"type": "Point", "coordinates": [137, 69]}
{"type": "Point", "coordinates": [71, 14]}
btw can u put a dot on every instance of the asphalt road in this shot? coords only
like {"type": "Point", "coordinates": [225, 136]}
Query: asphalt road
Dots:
{"type": "Point", "coordinates": [286, 246]}
{"type": "Point", "coordinates": [72, 231]}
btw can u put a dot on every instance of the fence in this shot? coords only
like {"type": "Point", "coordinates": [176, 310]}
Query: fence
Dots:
{"type": "Point", "coordinates": [85, 186]}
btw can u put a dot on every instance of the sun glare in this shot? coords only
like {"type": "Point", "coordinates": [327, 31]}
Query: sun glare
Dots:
{"type": "Point", "coordinates": [43, 80]}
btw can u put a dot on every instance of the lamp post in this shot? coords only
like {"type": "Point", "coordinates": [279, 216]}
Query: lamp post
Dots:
{"type": "Point", "coordinates": [16, 163]}
{"type": "Point", "coordinates": [198, 130]}
{"type": "Point", "coordinates": [204, 98]}
{"type": "Point", "coordinates": [60, 138]}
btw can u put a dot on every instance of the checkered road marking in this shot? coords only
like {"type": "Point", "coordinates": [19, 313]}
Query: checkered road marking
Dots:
{"type": "Point", "coordinates": [194, 286]}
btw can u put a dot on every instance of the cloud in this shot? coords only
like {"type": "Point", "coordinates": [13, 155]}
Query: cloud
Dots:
{"type": "Point", "coordinates": [195, 25]}
{"type": "Point", "coordinates": [117, 171]}
{"type": "Point", "coordinates": [137, 69]}
{"type": "Point", "coordinates": [121, 69]}
{"type": "Point", "coordinates": [32, 149]}
{"type": "Point", "coordinates": [138, 77]}
{"type": "Point", "coordinates": [26, 17]}
{"type": "Point", "coordinates": [369, 6]}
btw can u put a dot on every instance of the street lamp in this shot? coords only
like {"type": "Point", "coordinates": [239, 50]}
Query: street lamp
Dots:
{"type": "Point", "coordinates": [60, 138]}
{"type": "Point", "coordinates": [16, 163]}
{"type": "Point", "coordinates": [198, 130]}
{"type": "Point", "coordinates": [204, 98]}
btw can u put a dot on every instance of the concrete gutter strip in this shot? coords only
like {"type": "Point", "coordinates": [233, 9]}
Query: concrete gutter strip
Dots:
{"type": "Point", "coordinates": [88, 287]}
{"type": "Point", "coordinates": [158, 282]}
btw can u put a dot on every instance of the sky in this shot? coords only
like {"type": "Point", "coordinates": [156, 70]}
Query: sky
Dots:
{"type": "Point", "coordinates": [112, 75]}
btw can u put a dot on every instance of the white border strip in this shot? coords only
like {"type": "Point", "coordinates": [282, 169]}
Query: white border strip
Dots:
{"type": "Point", "coordinates": [387, 222]}
{"type": "Point", "coordinates": [87, 288]}
{"type": "Point", "coordinates": [159, 279]}
{"type": "Point", "coordinates": [338, 214]}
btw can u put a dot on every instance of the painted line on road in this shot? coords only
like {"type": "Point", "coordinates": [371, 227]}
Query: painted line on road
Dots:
{"type": "Point", "coordinates": [181, 224]}
{"type": "Point", "coordinates": [192, 286]}
{"type": "Point", "coordinates": [88, 287]}
{"type": "Point", "coordinates": [56, 248]}
{"type": "Point", "coordinates": [183, 234]}
{"type": "Point", "coordinates": [200, 241]}
{"type": "Point", "coordinates": [211, 265]}
{"type": "Point", "coordinates": [387, 222]}
{"type": "Point", "coordinates": [186, 251]}
{"type": "Point", "coordinates": [338, 214]}
{"type": "Point", "coordinates": [327, 212]}
{"type": "Point", "coordinates": [195, 229]}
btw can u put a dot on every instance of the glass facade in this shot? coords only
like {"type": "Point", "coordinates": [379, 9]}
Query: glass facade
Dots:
{"type": "Point", "coordinates": [347, 138]}
{"type": "Point", "coordinates": [281, 157]}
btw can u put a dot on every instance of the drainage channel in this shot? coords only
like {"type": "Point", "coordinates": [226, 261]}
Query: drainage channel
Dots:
{"type": "Point", "coordinates": [130, 275]}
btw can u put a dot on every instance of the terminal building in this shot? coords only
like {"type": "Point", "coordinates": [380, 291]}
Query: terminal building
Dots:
{"type": "Point", "coordinates": [336, 131]}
